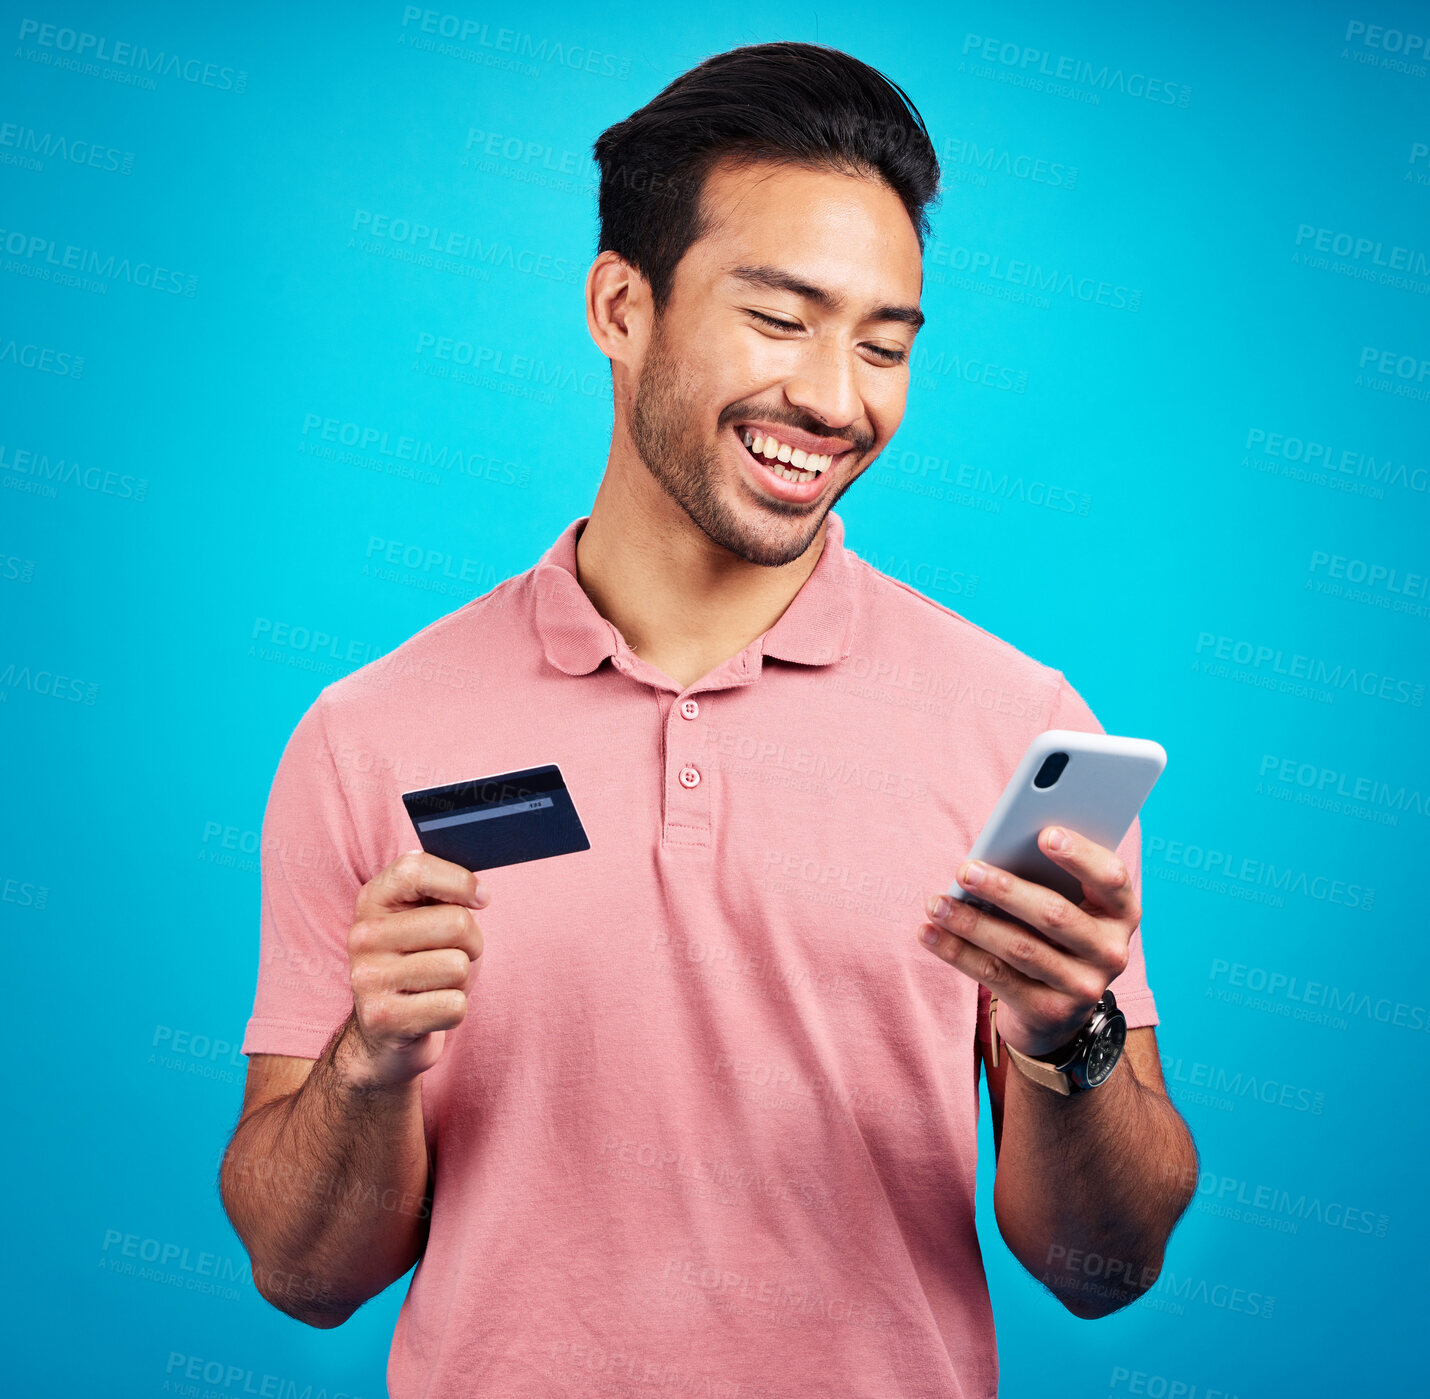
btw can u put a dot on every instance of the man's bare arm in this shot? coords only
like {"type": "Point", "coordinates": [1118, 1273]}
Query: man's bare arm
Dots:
{"type": "Point", "coordinates": [327, 1178]}
{"type": "Point", "coordinates": [326, 1182]}
{"type": "Point", "coordinates": [1109, 1170]}
{"type": "Point", "coordinates": [1089, 1186]}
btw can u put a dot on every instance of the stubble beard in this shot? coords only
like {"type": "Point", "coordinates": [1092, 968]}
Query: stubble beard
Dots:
{"type": "Point", "coordinates": [663, 428]}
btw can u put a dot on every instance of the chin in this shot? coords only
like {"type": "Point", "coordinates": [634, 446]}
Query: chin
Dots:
{"type": "Point", "coordinates": [769, 533]}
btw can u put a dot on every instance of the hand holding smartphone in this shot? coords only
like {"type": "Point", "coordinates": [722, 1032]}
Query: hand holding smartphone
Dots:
{"type": "Point", "coordinates": [1091, 783]}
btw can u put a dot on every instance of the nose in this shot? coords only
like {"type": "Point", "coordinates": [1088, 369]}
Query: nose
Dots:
{"type": "Point", "coordinates": [824, 385]}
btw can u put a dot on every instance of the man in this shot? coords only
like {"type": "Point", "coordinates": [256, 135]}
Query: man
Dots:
{"type": "Point", "coordinates": [695, 1110]}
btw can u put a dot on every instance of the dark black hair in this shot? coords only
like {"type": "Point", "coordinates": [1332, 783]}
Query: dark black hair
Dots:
{"type": "Point", "coordinates": [801, 104]}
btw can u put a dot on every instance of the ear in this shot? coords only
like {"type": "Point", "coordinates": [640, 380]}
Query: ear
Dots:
{"type": "Point", "coordinates": [618, 309]}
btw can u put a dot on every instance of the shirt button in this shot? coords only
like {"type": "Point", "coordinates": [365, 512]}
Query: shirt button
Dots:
{"type": "Point", "coordinates": [689, 777]}
{"type": "Point", "coordinates": [689, 708]}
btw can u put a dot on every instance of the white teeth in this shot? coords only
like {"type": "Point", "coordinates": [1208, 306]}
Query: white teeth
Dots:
{"type": "Point", "coordinates": [802, 465]}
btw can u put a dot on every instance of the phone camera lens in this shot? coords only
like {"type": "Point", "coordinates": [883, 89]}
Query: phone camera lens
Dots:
{"type": "Point", "coordinates": [1051, 770]}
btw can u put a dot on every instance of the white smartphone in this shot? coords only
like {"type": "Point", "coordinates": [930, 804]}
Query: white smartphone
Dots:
{"type": "Point", "coordinates": [1090, 783]}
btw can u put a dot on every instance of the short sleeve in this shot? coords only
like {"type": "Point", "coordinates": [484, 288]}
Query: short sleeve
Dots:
{"type": "Point", "coordinates": [1134, 995]}
{"type": "Point", "coordinates": [309, 862]}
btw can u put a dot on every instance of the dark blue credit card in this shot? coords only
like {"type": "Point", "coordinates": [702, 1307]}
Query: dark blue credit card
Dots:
{"type": "Point", "coordinates": [501, 820]}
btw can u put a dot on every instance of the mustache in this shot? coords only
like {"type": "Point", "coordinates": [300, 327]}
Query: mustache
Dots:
{"type": "Point", "coordinates": [862, 441]}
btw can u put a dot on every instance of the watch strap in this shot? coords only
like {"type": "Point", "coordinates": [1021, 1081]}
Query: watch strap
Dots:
{"type": "Point", "coordinates": [1034, 1069]}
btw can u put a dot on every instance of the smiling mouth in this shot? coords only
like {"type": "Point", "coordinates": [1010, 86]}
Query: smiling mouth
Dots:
{"type": "Point", "coordinates": [791, 464]}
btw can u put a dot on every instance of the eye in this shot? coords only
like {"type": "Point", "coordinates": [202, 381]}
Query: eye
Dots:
{"type": "Point", "coordinates": [773, 320]}
{"type": "Point", "coordinates": [887, 356]}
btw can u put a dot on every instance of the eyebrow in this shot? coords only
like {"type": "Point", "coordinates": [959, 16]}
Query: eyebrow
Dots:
{"type": "Point", "coordinates": [777, 279]}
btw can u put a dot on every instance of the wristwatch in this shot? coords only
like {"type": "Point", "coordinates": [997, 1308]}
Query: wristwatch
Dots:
{"type": "Point", "coordinates": [1084, 1062]}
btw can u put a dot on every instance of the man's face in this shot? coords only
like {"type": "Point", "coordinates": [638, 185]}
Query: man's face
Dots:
{"type": "Point", "coordinates": [830, 380]}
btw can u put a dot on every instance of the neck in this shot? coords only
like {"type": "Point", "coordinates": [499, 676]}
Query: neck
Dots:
{"type": "Point", "coordinates": [682, 602]}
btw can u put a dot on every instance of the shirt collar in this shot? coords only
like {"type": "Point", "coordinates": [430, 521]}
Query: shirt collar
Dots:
{"type": "Point", "coordinates": [817, 628]}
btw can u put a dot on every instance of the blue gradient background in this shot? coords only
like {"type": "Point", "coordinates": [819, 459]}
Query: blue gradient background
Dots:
{"type": "Point", "coordinates": [157, 607]}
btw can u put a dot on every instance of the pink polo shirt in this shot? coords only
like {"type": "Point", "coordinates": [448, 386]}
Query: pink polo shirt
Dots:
{"type": "Point", "coordinates": [710, 1125]}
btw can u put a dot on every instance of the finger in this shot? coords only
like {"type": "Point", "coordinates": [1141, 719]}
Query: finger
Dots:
{"type": "Point", "coordinates": [997, 947]}
{"type": "Point", "coordinates": [407, 1018]}
{"type": "Point", "coordinates": [417, 876]}
{"type": "Point", "coordinates": [977, 962]}
{"type": "Point", "coordinates": [1103, 874]}
{"type": "Point", "coordinates": [439, 969]}
{"type": "Point", "coordinates": [416, 930]}
{"type": "Point", "coordinates": [1042, 908]}
{"type": "Point", "coordinates": [1033, 1003]}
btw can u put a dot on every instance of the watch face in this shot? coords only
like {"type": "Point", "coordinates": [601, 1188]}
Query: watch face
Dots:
{"type": "Point", "coordinates": [1106, 1050]}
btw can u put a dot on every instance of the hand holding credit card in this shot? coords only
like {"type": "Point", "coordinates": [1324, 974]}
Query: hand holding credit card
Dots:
{"type": "Point", "coordinates": [505, 819]}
